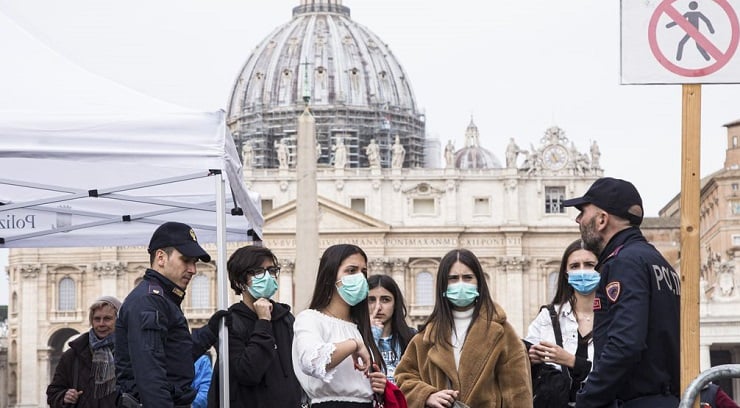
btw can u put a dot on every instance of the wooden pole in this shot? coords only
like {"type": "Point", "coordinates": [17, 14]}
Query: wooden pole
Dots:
{"type": "Point", "coordinates": [690, 260]}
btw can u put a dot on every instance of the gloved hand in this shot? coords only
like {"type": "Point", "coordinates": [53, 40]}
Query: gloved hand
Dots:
{"type": "Point", "coordinates": [216, 318]}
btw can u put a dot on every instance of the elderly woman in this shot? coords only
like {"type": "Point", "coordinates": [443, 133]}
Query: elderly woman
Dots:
{"type": "Point", "coordinates": [86, 374]}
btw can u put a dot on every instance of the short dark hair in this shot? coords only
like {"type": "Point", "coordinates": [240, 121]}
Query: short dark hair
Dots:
{"type": "Point", "coordinates": [245, 259]}
{"type": "Point", "coordinates": [152, 255]}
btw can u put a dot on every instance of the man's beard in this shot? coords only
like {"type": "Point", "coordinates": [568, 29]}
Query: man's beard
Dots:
{"type": "Point", "coordinates": [592, 241]}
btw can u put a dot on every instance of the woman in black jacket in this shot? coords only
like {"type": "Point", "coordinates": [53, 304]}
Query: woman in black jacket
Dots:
{"type": "Point", "coordinates": [86, 374]}
{"type": "Point", "coordinates": [260, 337]}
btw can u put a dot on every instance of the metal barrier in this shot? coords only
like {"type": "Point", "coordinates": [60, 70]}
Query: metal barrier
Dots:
{"type": "Point", "coordinates": [714, 373]}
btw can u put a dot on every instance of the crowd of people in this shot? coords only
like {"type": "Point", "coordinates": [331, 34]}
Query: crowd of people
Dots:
{"type": "Point", "coordinates": [611, 328]}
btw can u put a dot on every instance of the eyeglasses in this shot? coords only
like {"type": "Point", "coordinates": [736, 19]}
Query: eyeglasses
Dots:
{"type": "Point", "coordinates": [259, 273]}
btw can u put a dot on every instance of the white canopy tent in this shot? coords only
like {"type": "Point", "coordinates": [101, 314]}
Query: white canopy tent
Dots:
{"type": "Point", "coordinates": [106, 180]}
{"type": "Point", "coordinates": [85, 161]}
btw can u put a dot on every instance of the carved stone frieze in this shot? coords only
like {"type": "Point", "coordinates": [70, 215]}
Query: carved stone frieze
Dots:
{"type": "Point", "coordinates": [287, 266]}
{"type": "Point", "coordinates": [398, 265]}
{"type": "Point", "coordinates": [514, 263]}
{"type": "Point", "coordinates": [378, 266]}
{"type": "Point", "coordinates": [110, 268]}
{"type": "Point", "coordinates": [29, 271]}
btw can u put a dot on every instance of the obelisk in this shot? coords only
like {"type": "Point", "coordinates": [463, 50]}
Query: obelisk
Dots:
{"type": "Point", "coordinates": [307, 211]}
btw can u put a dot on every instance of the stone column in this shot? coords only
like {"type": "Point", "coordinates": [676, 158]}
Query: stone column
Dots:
{"type": "Point", "coordinates": [705, 361]}
{"type": "Point", "coordinates": [43, 367]}
{"type": "Point", "coordinates": [398, 273]}
{"type": "Point", "coordinates": [28, 312]}
{"type": "Point", "coordinates": [511, 297]}
{"type": "Point", "coordinates": [4, 372]}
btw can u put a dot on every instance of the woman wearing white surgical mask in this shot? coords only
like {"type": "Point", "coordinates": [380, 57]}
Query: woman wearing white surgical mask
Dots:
{"type": "Point", "coordinates": [573, 302]}
{"type": "Point", "coordinates": [260, 336]}
{"type": "Point", "coordinates": [467, 352]}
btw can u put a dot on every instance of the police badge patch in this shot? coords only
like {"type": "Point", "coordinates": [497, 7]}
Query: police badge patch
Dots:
{"type": "Point", "coordinates": [612, 291]}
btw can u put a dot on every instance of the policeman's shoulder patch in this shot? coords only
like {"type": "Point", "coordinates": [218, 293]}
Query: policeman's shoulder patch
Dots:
{"type": "Point", "coordinates": [155, 289]}
{"type": "Point", "coordinates": [612, 291]}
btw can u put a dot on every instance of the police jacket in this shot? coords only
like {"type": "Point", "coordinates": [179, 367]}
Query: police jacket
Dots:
{"type": "Point", "coordinates": [154, 348]}
{"type": "Point", "coordinates": [636, 324]}
{"type": "Point", "coordinates": [260, 360]}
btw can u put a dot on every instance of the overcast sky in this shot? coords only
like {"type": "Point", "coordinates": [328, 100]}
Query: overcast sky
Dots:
{"type": "Point", "coordinates": [517, 67]}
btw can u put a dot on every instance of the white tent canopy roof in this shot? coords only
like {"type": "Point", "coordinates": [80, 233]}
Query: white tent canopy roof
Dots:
{"type": "Point", "coordinates": [111, 179]}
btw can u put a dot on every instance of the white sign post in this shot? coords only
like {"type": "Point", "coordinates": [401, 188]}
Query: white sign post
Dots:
{"type": "Point", "coordinates": [680, 41]}
{"type": "Point", "coordinates": [688, 42]}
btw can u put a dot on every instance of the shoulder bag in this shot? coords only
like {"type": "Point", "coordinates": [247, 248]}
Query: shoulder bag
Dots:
{"type": "Point", "coordinates": [550, 386]}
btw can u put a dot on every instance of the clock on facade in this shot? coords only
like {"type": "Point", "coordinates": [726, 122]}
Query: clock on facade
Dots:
{"type": "Point", "coordinates": [555, 157]}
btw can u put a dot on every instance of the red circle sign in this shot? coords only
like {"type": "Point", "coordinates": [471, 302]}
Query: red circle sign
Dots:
{"type": "Point", "coordinates": [721, 57]}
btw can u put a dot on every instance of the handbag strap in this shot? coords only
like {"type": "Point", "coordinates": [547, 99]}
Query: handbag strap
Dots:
{"type": "Point", "coordinates": [555, 325]}
{"type": "Point", "coordinates": [556, 328]}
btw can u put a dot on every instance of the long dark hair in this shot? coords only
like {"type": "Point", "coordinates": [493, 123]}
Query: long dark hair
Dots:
{"type": "Point", "coordinates": [442, 312]}
{"type": "Point", "coordinates": [326, 279]}
{"type": "Point", "coordinates": [400, 331]}
{"type": "Point", "coordinates": [564, 292]}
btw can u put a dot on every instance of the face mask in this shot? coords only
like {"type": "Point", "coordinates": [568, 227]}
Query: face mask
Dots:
{"type": "Point", "coordinates": [462, 294]}
{"type": "Point", "coordinates": [354, 288]}
{"type": "Point", "coordinates": [263, 287]}
{"type": "Point", "coordinates": [583, 281]}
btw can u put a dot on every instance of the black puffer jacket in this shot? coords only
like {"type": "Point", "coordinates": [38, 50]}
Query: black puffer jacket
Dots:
{"type": "Point", "coordinates": [260, 362]}
{"type": "Point", "coordinates": [79, 349]}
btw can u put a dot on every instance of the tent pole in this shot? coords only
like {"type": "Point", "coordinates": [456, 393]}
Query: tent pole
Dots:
{"type": "Point", "coordinates": [223, 289]}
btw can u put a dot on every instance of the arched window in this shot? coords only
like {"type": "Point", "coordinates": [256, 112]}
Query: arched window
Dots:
{"type": "Point", "coordinates": [200, 292]}
{"type": "Point", "coordinates": [424, 289]}
{"type": "Point", "coordinates": [552, 285]}
{"type": "Point", "coordinates": [66, 294]}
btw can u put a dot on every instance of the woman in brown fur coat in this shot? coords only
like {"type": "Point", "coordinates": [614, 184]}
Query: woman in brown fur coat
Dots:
{"type": "Point", "coordinates": [467, 351]}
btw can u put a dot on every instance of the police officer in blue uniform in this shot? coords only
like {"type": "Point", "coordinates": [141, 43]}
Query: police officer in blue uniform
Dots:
{"type": "Point", "coordinates": [155, 350]}
{"type": "Point", "coordinates": [637, 304]}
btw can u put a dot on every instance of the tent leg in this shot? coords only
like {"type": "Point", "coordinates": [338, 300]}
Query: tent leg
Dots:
{"type": "Point", "coordinates": [223, 289]}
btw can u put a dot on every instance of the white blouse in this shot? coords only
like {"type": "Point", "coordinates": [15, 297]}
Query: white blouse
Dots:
{"type": "Point", "coordinates": [541, 330]}
{"type": "Point", "coordinates": [313, 343]}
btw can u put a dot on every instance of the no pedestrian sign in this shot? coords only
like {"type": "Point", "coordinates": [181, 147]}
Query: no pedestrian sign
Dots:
{"type": "Point", "coordinates": [680, 41]}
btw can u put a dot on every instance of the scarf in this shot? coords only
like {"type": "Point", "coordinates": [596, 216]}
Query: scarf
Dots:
{"type": "Point", "coordinates": [103, 365]}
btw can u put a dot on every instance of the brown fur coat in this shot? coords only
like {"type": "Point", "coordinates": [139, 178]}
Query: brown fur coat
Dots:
{"type": "Point", "coordinates": [494, 367]}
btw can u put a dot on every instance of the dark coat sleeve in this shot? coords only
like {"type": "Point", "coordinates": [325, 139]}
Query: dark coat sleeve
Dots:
{"type": "Point", "coordinates": [62, 381]}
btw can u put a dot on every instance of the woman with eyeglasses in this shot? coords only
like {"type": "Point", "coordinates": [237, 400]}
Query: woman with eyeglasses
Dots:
{"type": "Point", "coordinates": [334, 354]}
{"type": "Point", "coordinates": [260, 336]}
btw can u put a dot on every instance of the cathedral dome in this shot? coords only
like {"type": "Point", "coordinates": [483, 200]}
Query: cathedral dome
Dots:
{"type": "Point", "coordinates": [357, 89]}
{"type": "Point", "coordinates": [473, 156]}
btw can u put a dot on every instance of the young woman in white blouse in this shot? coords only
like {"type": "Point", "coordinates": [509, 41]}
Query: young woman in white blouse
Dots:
{"type": "Point", "coordinates": [573, 301]}
{"type": "Point", "coordinates": [334, 355]}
